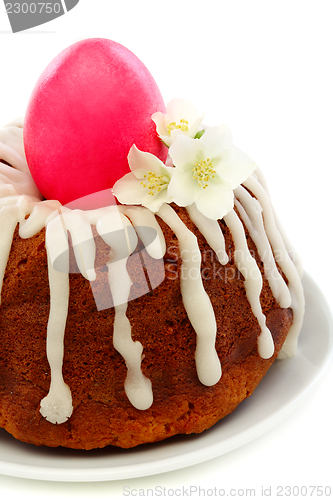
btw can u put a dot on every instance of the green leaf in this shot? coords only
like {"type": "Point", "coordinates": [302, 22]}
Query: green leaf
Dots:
{"type": "Point", "coordinates": [199, 134]}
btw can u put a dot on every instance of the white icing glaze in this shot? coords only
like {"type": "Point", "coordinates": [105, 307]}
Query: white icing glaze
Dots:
{"type": "Point", "coordinates": [251, 214]}
{"type": "Point", "coordinates": [196, 301]}
{"type": "Point", "coordinates": [288, 267]}
{"type": "Point", "coordinates": [8, 221]}
{"type": "Point", "coordinates": [11, 145]}
{"type": "Point", "coordinates": [295, 257]}
{"type": "Point", "coordinates": [137, 387]}
{"type": "Point", "coordinates": [141, 219]}
{"type": "Point", "coordinates": [57, 233]}
{"type": "Point", "coordinates": [18, 179]}
{"type": "Point", "coordinates": [57, 407]}
{"type": "Point", "coordinates": [16, 182]}
{"type": "Point", "coordinates": [212, 232]}
{"type": "Point", "coordinates": [83, 242]}
{"type": "Point", "coordinates": [247, 265]}
{"type": "Point", "coordinates": [20, 198]}
{"type": "Point", "coordinates": [12, 211]}
{"type": "Point", "coordinates": [41, 213]}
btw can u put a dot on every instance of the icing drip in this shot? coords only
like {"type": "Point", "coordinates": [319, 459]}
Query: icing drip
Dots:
{"type": "Point", "coordinates": [9, 217]}
{"type": "Point", "coordinates": [38, 217]}
{"type": "Point", "coordinates": [56, 407]}
{"type": "Point", "coordinates": [56, 232]}
{"type": "Point", "coordinates": [15, 180]}
{"type": "Point", "coordinates": [145, 223]}
{"type": "Point", "coordinates": [82, 241]}
{"type": "Point", "coordinates": [11, 145]}
{"type": "Point", "coordinates": [251, 214]}
{"type": "Point", "coordinates": [283, 259]}
{"type": "Point", "coordinates": [137, 387]}
{"type": "Point", "coordinates": [196, 301]}
{"type": "Point", "coordinates": [289, 247]}
{"type": "Point", "coordinates": [12, 210]}
{"type": "Point", "coordinates": [247, 265]}
{"type": "Point", "coordinates": [212, 232]}
{"type": "Point", "coordinates": [141, 219]}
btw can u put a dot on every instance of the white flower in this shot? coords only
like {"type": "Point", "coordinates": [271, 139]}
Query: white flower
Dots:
{"type": "Point", "coordinates": [148, 182]}
{"type": "Point", "coordinates": [207, 171]}
{"type": "Point", "coordinates": [181, 118]}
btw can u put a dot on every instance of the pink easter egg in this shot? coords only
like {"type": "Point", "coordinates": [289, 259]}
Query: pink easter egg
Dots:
{"type": "Point", "coordinates": [89, 106]}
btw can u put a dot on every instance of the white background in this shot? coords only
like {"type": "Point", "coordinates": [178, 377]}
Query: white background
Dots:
{"type": "Point", "coordinates": [264, 68]}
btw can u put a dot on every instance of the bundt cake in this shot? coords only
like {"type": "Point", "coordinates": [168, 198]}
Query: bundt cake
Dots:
{"type": "Point", "coordinates": [154, 308]}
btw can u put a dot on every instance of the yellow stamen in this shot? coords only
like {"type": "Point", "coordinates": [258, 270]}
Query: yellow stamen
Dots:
{"type": "Point", "coordinates": [155, 183]}
{"type": "Point", "coordinates": [203, 171]}
{"type": "Point", "coordinates": [182, 125]}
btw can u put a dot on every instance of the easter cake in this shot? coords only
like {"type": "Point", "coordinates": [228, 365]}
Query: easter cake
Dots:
{"type": "Point", "coordinates": [146, 283]}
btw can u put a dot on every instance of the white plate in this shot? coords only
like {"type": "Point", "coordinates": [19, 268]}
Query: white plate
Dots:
{"type": "Point", "coordinates": [276, 396]}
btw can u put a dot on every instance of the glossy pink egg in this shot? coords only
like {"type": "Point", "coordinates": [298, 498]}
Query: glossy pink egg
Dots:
{"type": "Point", "coordinates": [89, 106]}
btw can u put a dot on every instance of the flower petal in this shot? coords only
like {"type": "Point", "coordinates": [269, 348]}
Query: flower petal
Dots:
{"type": "Point", "coordinates": [185, 152]}
{"type": "Point", "coordinates": [166, 139]}
{"type": "Point", "coordinates": [128, 190]}
{"type": "Point", "coordinates": [235, 166]}
{"type": "Point", "coordinates": [181, 117]}
{"type": "Point", "coordinates": [158, 119]}
{"type": "Point", "coordinates": [155, 202]}
{"type": "Point", "coordinates": [140, 161]}
{"type": "Point", "coordinates": [195, 126]}
{"type": "Point", "coordinates": [178, 109]}
{"type": "Point", "coordinates": [216, 139]}
{"type": "Point", "coordinates": [215, 203]}
{"type": "Point", "coordinates": [183, 189]}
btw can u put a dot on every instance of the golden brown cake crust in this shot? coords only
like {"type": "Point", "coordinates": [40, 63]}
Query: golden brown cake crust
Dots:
{"type": "Point", "coordinates": [95, 371]}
